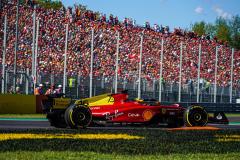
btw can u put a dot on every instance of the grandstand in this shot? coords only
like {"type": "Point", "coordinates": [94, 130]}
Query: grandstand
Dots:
{"type": "Point", "coordinates": [51, 45]}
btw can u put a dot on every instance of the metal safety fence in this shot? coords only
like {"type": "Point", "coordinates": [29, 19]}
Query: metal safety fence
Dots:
{"type": "Point", "coordinates": [78, 87]}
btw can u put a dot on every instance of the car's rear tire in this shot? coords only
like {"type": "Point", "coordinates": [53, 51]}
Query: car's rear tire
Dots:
{"type": "Point", "coordinates": [195, 116]}
{"type": "Point", "coordinates": [78, 116]}
{"type": "Point", "coordinates": [56, 118]}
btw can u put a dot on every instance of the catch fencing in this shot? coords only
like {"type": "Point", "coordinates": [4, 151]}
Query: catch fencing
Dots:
{"type": "Point", "coordinates": [78, 87]}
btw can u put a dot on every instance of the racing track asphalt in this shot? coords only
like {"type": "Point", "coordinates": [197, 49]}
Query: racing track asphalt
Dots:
{"type": "Point", "coordinates": [38, 123]}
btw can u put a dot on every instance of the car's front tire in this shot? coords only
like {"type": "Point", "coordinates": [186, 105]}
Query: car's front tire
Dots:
{"type": "Point", "coordinates": [195, 116]}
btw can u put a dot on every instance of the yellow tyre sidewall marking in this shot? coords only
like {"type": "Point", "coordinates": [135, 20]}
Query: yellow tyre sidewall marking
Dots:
{"type": "Point", "coordinates": [70, 116]}
{"type": "Point", "coordinates": [188, 120]}
{"type": "Point", "coordinates": [193, 107]}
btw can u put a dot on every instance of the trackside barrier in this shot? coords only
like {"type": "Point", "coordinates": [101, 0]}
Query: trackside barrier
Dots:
{"type": "Point", "coordinates": [30, 104]}
{"type": "Point", "coordinates": [39, 105]}
{"type": "Point", "coordinates": [17, 104]}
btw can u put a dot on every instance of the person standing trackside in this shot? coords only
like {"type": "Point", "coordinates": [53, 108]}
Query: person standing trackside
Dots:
{"type": "Point", "coordinates": [51, 90]}
{"type": "Point", "coordinates": [59, 89]}
{"type": "Point", "coordinates": [39, 90]}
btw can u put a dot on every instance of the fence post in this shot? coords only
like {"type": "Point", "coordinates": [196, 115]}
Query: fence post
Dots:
{"type": "Point", "coordinates": [91, 66]}
{"type": "Point", "coordinates": [27, 81]}
{"type": "Point", "coordinates": [4, 54]}
{"type": "Point", "coordinates": [15, 50]}
{"type": "Point", "coordinates": [116, 69]}
{"type": "Point", "coordinates": [7, 81]}
{"type": "Point", "coordinates": [215, 76]}
{"type": "Point", "coordinates": [33, 41]}
{"type": "Point", "coordinates": [180, 74]}
{"type": "Point", "coordinates": [160, 78]}
{"type": "Point", "coordinates": [65, 60]}
{"type": "Point", "coordinates": [199, 69]}
{"type": "Point", "coordinates": [35, 56]}
{"type": "Point", "coordinates": [231, 80]}
{"type": "Point", "coordinates": [140, 68]}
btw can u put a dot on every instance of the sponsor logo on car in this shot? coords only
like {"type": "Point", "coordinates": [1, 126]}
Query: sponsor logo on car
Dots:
{"type": "Point", "coordinates": [133, 114]}
{"type": "Point", "coordinates": [112, 116]}
{"type": "Point", "coordinates": [147, 115]}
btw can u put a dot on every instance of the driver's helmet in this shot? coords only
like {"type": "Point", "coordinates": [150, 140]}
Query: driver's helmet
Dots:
{"type": "Point", "coordinates": [138, 100]}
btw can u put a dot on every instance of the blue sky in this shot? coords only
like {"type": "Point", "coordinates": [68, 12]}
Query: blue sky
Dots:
{"type": "Point", "coordinates": [174, 13]}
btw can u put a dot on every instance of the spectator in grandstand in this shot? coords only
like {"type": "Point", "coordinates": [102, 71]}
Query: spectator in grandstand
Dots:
{"type": "Point", "coordinates": [125, 22]}
{"type": "Point", "coordinates": [147, 25]}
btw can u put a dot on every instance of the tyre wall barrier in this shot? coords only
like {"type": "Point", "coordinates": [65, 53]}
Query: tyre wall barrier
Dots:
{"type": "Point", "coordinates": [17, 104]}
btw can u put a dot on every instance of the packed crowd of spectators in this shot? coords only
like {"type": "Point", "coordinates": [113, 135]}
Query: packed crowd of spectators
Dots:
{"type": "Point", "coordinates": [51, 44]}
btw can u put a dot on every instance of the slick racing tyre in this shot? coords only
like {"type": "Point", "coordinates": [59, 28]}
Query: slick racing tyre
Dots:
{"type": "Point", "coordinates": [78, 116]}
{"type": "Point", "coordinates": [195, 116]}
{"type": "Point", "coordinates": [56, 119]}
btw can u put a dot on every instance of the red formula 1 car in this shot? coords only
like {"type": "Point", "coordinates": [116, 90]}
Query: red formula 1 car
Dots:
{"type": "Point", "coordinates": [118, 109]}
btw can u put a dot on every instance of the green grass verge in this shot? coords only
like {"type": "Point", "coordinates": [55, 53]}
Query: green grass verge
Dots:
{"type": "Point", "coordinates": [22, 116]}
{"type": "Point", "coordinates": [157, 144]}
{"type": "Point", "coordinates": [233, 115]}
{"type": "Point", "coordinates": [67, 155]}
